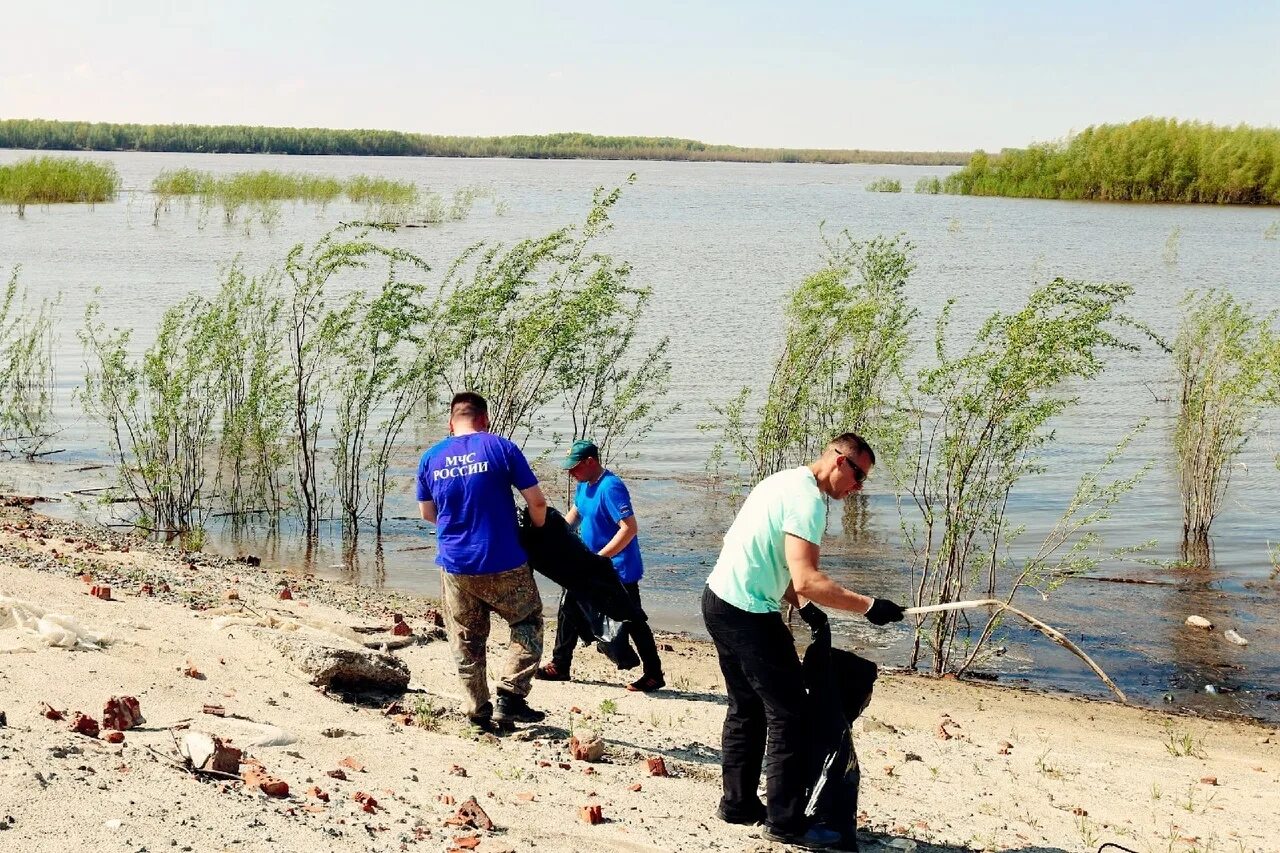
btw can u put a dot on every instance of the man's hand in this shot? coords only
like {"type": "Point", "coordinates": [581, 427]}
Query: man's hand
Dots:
{"type": "Point", "coordinates": [883, 611]}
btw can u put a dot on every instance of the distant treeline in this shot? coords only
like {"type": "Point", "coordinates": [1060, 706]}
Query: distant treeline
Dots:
{"type": "Point", "coordinates": [243, 139]}
{"type": "Point", "coordinates": [1151, 159]}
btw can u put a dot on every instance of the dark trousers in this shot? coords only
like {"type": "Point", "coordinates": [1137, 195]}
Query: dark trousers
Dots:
{"type": "Point", "coordinates": [765, 723]}
{"type": "Point", "coordinates": [571, 626]}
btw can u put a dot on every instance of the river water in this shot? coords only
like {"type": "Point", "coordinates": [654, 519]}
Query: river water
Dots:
{"type": "Point", "coordinates": [720, 244]}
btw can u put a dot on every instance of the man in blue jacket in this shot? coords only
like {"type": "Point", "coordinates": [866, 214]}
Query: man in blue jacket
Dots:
{"type": "Point", "coordinates": [464, 487]}
{"type": "Point", "coordinates": [606, 521]}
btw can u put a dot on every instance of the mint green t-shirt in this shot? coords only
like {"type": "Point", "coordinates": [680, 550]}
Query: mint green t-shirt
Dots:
{"type": "Point", "coordinates": [751, 573]}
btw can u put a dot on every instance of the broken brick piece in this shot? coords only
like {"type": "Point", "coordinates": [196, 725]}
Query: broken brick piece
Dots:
{"type": "Point", "coordinates": [214, 710]}
{"type": "Point", "coordinates": [591, 814]}
{"type": "Point", "coordinates": [50, 712]}
{"type": "Point", "coordinates": [122, 713]}
{"type": "Point", "coordinates": [433, 617]}
{"type": "Point", "coordinates": [366, 801]}
{"type": "Point", "coordinates": [526, 796]}
{"type": "Point", "coordinates": [231, 595]}
{"type": "Point", "coordinates": [352, 763]}
{"type": "Point", "coordinates": [636, 787]}
{"type": "Point", "coordinates": [393, 710]}
{"type": "Point", "coordinates": [470, 814]}
{"type": "Point", "coordinates": [564, 765]}
{"type": "Point", "coordinates": [657, 766]}
{"type": "Point", "coordinates": [286, 594]}
{"type": "Point", "coordinates": [446, 799]}
{"type": "Point", "coordinates": [146, 589]}
{"type": "Point", "coordinates": [337, 774]}
{"type": "Point", "coordinates": [591, 749]}
{"type": "Point", "coordinates": [318, 793]}
{"type": "Point", "coordinates": [466, 842]}
{"type": "Point", "coordinates": [103, 592]}
{"type": "Point", "coordinates": [113, 736]}
{"type": "Point", "coordinates": [401, 629]}
{"type": "Point", "coordinates": [190, 670]}
{"type": "Point", "coordinates": [84, 724]}
{"type": "Point", "coordinates": [457, 770]}
{"type": "Point", "coordinates": [397, 618]}
{"type": "Point", "coordinates": [256, 777]}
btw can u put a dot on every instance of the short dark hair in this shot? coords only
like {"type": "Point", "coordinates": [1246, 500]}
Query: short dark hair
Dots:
{"type": "Point", "coordinates": [468, 404]}
{"type": "Point", "coordinates": [850, 443]}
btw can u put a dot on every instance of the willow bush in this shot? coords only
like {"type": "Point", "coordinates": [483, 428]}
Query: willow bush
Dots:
{"type": "Point", "coordinates": [847, 333]}
{"type": "Point", "coordinates": [885, 185]}
{"type": "Point", "coordinates": [551, 319]}
{"type": "Point", "coordinates": [26, 371]}
{"type": "Point", "coordinates": [1227, 357]}
{"type": "Point", "coordinates": [931, 185]}
{"type": "Point", "coordinates": [159, 410]}
{"type": "Point", "coordinates": [1152, 159]}
{"type": "Point", "coordinates": [57, 180]}
{"type": "Point", "coordinates": [979, 420]}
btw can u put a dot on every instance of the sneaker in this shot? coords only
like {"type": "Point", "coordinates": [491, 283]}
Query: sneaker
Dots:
{"type": "Point", "coordinates": [647, 684]}
{"type": "Point", "coordinates": [815, 838]}
{"type": "Point", "coordinates": [550, 672]}
{"type": "Point", "coordinates": [514, 709]}
{"type": "Point", "coordinates": [750, 818]}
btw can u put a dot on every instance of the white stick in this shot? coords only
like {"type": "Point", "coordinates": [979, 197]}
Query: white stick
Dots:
{"type": "Point", "coordinates": [954, 605]}
{"type": "Point", "coordinates": [1050, 632]}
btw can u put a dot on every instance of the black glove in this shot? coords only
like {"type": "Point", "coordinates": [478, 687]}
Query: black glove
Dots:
{"type": "Point", "coordinates": [812, 616]}
{"type": "Point", "coordinates": [883, 611]}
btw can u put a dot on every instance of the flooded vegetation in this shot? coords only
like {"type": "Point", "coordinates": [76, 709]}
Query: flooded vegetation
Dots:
{"type": "Point", "coordinates": [1152, 160]}
{"type": "Point", "coordinates": [56, 180]}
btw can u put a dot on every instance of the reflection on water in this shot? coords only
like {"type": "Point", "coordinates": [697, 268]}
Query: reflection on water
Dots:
{"type": "Point", "coordinates": [720, 244]}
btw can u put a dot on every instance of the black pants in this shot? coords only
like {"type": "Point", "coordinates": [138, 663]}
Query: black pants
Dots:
{"type": "Point", "coordinates": [765, 723]}
{"type": "Point", "coordinates": [570, 628]}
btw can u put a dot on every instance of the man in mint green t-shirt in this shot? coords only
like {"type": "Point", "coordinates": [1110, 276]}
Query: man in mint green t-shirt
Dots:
{"type": "Point", "coordinates": [770, 554]}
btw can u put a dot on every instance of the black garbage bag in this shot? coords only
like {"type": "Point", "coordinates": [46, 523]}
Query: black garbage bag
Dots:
{"type": "Point", "coordinates": [556, 552]}
{"type": "Point", "coordinates": [607, 635]}
{"type": "Point", "coordinates": [839, 684]}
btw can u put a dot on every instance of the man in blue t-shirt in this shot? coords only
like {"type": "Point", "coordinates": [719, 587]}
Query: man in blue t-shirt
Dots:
{"type": "Point", "coordinates": [464, 487]}
{"type": "Point", "coordinates": [606, 521]}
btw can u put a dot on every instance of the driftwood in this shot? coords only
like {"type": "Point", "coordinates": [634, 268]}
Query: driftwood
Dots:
{"type": "Point", "coordinates": [1048, 631]}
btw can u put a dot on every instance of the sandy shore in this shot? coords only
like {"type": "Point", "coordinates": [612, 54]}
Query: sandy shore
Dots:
{"type": "Point", "coordinates": [1016, 770]}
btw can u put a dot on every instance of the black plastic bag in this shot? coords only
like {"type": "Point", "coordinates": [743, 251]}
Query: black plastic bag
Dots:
{"type": "Point", "coordinates": [556, 552]}
{"type": "Point", "coordinates": [839, 684]}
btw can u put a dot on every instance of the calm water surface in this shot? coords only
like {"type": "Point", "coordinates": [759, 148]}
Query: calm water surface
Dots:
{"type": "Point", "coordinates": [720, 244]}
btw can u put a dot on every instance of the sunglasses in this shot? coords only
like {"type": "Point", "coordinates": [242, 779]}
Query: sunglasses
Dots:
{"type": "Point", "coordinates": [858, 474]}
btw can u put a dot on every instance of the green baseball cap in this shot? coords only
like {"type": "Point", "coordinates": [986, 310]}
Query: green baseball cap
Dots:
{"type": "Point", "coordinates": [582, 449]}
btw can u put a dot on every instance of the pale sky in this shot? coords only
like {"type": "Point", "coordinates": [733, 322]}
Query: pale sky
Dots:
{"type": "Point", "coordinates": [891, 75]}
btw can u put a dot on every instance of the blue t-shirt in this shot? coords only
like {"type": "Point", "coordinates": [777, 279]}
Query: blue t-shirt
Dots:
{"type": "Point", "coordinates": [469, 477]}
{"type": "Point", "coordinates": [601, 506]}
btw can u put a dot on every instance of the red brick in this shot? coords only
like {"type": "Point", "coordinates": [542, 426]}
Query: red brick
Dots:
{"type": "Point", "coordinates": [113, 736]}
{"type": "Point", "coordinates": [318, 793]}
{"type": "Point", "coordinates": [103, 592]}
{"type": "Point", "coordinates": [286, 594]}
{"type": "Point", "coordinates": [122, 713]}
{"type": "Point", "coordinates": [591, 814]}
{"type": "Point", "coordinates": [401, 629]}
{"type": "Point", "coordinates": [657, 766]}
{"type": "Point", "coordinates": [50, 712]}
{"type": "Point", "coordinates": [84, 724]}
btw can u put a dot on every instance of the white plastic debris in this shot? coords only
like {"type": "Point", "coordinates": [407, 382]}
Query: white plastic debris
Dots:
{"type": "Point", "coordinates": [114, 823]}
{"type": "Point", "coordinates": [55, 629]}
{"type": "Point", "coordinates": [1232, 637]}
{"type": "Point", "coordinates": [1199, 622]}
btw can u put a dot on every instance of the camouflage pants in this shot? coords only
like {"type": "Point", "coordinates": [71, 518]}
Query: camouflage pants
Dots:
{"type": "Point", "coordinates": [468, 602]}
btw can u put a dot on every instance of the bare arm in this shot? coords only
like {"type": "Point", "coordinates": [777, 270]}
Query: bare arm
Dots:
{"type": "Point", "coordinates": [573, 517]}
{"type": "Point", "coordinates": [627, 529]}
{"type": "Point", "coordinates": [428, 510]}
{"type": "Point", "coordinates": [537, 502]}
{"type": "Point", "coordinates": [810, 582]}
